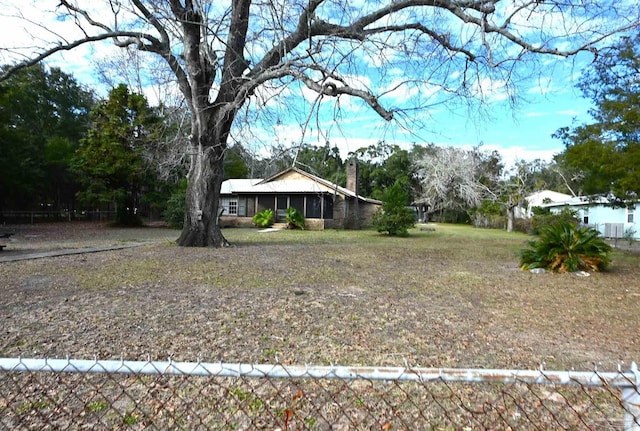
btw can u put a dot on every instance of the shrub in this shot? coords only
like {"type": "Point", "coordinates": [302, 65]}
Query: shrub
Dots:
{"type": "Point", "coordinates": [522, 225]}
{"type": "Point", "coordinates": [630, 235]}
{"type": "Point", "coordinates": [124, 217]}
{"type": "Point", "coordinates": [394, 217]}
{"type": "Point", "coordinates": [563, 247]}
{"type": "Point", "coordinates": [294, 219]}
{"type": "Point", "coordinates": [489, 214]}
{"type": "Point", "coordinates": [264, 218]}
{"type": "Point", "coordinates": [544, 217]}
{"type": "Point", "coordinates": [176, 206]}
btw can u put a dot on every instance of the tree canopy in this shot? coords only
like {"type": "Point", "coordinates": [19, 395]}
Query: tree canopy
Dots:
{"type": "Point", "coordinates": [381, 165]}
{"type": "Point", "coordinates": [110, 159]}
{"type": "Point", "coordinates": [43, 115]}
{"type": "Point", "coordinates": [451, 179]}
{"type": "Point", "coordinates": [605, 154]}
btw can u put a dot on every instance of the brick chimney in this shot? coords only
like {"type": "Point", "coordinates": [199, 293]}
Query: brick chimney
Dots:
{"type": "Point", "coordinates": [353, 176]}
{"type": "Point", "coordinates": [352, 206]}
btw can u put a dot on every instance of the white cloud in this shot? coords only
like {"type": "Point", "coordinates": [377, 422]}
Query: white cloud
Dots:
{"type": "Point", "coordinates": [491, 90]}
{"type": "Point", "coordinates": [569, 112]}
{"type": "Point", "coordinates": [544, 86]}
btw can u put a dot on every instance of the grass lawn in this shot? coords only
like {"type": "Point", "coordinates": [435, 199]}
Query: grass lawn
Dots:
{"type": "Point", "coordinates": [453, 297]}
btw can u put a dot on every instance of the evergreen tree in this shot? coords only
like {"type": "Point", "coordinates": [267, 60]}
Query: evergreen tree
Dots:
{"type": "Point", "coordinates": [606, 153]}
{"type": "Point", "coordinates": [43, 115]}
{"type": "Point", "coordinates": [394, 217]}
{"type": "Point", "coordinates": [111, 160]}
{"type": "Point", "coordinates": [380, 166]}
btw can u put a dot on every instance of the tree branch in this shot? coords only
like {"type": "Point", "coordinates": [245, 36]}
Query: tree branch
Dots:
{"type": "Point", "coordinates": [234, 62]}
{"type": "Point", "coordinates": [134, 39]}
{"type": "Point", "coordinates": [331, 89]}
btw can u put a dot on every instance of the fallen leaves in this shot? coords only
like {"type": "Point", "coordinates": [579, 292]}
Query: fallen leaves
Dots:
{"type": "Point", "coordinates": [326, 297]}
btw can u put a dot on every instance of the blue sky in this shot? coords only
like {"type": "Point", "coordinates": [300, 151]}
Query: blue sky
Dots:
{"type": "Point", "coordinates": [522, 131]}
{"type": "Point", "coordinates": [518, 131]}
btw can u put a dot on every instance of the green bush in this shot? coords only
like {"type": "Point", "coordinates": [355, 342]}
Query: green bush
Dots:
{"type": "Point", "coordinates": [124, 217]}
{"type": "Point", "coordinates": [544, 217]}
{"type": "Point", "coordinates": [630, 235]}
{"type": "Point", "coordinates": [264, 218]}
{"type": "Point", "coordinates": [563, 247]}
{"type": "Point", "coordinates": [176, 206]}
{"type": "Point", "coordinates": [394, 217]}
{"type": "Point", "coordinates": [522, 225]}
{"type": "Point", "coordinates": [294, 219]}
{"type": "Point", "coordinates": [489, 215]}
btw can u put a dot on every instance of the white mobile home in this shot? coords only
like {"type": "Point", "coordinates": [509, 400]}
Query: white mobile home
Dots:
{"type": "Point", "coordinates": [538, 199]}
{"type": "Point", "coordinates": [611, 221]}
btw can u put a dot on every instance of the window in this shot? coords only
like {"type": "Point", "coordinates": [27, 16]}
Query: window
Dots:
{"type": "Point", "coordinates": [266, 202]}
{"type": "Point", "coordinates": [297, 202]}
{"type": "Point", "coordinates": [630, 214]}
{"type": "Point", "coordinates": [585, 216]}
{"type": "Point", "coordinates": [242, 206]}
{"type": "Point", "coordinates": [230, 205]}
{"type": "Point", "coordinates": [328, 207]}
{"type": "Point", "coordinates": [233, 207]}
{"type": "Point", "coordinates": [313, 207]}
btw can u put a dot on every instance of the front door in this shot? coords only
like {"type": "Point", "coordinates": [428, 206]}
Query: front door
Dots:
{"type": "Point", "coordinates": [281, 208]}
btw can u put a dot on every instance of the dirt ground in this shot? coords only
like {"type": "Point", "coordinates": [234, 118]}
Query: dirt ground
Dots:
{"type": "Point", "coordinates": [435, 299]}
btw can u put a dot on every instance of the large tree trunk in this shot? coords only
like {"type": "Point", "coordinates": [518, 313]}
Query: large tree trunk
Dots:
{"type": "Point", "coordinates": [211, 121]}
{"type": "Point", "coordinates": [201, 228]}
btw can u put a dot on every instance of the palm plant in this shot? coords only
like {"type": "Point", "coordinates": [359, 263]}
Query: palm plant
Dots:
{"type": "Point", "coordinates": [295, 220]}
{"type": "Point", "coordinates": [563, 247]}
{"type": "Point", "coordinates": [264, 218]}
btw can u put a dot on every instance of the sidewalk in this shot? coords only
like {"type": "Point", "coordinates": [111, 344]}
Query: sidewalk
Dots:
{"type": "Point", "coordinates": [8, 255]}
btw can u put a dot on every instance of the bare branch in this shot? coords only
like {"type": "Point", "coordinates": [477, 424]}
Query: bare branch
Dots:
{"type": "Point", "coordinates": [564, 180]}
{"type": "Point", "coordinates": [85, 15]}
{"type": "Point", "coordinates": [134, 39]}
{"type": "Point", "coordinates": [443, 40]}
{"type": "Point", "coordinates": [331, 89]}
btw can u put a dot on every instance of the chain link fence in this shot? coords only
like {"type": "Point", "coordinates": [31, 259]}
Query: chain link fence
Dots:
{"type": "Point", "coordinates": [55, 394]}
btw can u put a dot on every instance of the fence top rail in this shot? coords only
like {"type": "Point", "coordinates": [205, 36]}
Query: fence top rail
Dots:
{"type": "Point", "coordinates": [619, 378]}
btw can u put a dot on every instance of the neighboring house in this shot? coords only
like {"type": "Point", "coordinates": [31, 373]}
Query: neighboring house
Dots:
{"type": "Point", "coordinates": [323, 203]}
{"type": "Point", "coordinates": [610, 221]}
{"type": "Point", "coordinates": [537, 200]}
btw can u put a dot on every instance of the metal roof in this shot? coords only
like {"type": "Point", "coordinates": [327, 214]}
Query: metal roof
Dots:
{"type": "Point", "coordinates": [579, 200]}
{"type": "Point", "coordinates": [311, 184]}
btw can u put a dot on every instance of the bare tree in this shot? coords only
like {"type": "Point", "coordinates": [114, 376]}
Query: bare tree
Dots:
{"type": "Point", "coordinates": [228, 55]}
{"type": "Point", "coordinates": [450, 179]}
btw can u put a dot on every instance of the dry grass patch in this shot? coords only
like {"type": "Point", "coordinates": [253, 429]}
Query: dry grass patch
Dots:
{"type": "Point", "coordinates": [453, 298]}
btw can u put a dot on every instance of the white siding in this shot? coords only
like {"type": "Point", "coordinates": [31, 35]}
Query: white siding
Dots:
{"type": "Point", "coordinates": [608, 221]}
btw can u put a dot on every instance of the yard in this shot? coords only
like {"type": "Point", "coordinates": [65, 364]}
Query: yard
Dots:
{"type": "Point", "coordinates": [453, 297]}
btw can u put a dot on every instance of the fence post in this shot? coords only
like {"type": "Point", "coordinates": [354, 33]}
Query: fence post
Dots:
{"type": "Point", "coordinates": [631, 401]}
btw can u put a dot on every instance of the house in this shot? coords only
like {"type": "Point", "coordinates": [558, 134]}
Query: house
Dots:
{"type": "Point", "coordinates": [323, 203]}
{"type": "Point", "coordinates": [598, 212]}
{"type": "Point", "coordinates": [537, 199]}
